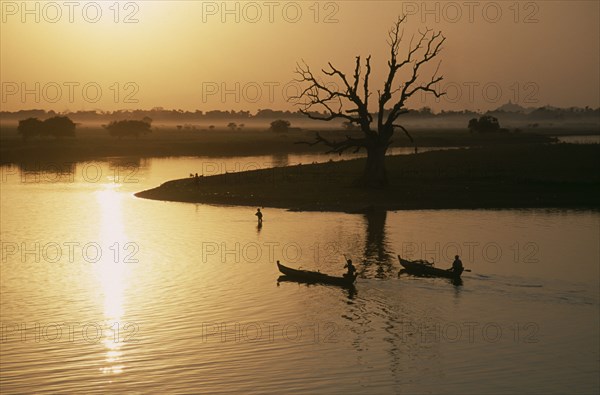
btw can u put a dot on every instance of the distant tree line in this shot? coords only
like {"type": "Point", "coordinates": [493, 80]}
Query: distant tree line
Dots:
{"type": "Point", "coordinates": [56, 127]}
{"type": "Point", "coordinates": [159, 113]}
{"type": "Point", "coordinates": [30, 125]}
{"type": "Point", "coordinates": [129, 128]}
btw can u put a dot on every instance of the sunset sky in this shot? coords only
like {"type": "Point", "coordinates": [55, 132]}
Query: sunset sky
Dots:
{"type": "Point", "coordinates": [182, 54]}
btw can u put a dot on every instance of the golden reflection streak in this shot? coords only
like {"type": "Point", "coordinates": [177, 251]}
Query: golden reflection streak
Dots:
{"type": "Point", "coordinates": [111, 273]}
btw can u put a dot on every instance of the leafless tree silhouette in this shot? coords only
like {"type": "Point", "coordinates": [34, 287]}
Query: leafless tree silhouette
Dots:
{"type": "Point", "coordinates": [318, 100]}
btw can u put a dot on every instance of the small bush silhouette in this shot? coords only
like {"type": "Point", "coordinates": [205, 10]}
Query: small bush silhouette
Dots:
{"type": "Point", "coordinates": [280, 126]}
{"type": "Point", "coordinates": [485, 124]}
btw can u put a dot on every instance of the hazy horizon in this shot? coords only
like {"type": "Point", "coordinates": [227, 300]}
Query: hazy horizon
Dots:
{"type": "Point", "coordinates": [197, 55]}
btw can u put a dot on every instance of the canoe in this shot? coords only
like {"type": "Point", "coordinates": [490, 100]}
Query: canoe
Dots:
{"type": "Point", "coordinates": [424, 268]}
{"type": "Point", "coordinates": [315, 277]}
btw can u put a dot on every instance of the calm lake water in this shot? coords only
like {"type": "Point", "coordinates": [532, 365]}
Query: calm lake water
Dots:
{"type": "Point", "coordinates": [103, 292]}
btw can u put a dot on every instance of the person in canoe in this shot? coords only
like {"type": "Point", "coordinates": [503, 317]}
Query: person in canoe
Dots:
{"type": "Point", "coordinates": [351, 268]}
{"type": "Point", "coordinates": [259, 215]}
{"type": "Point", "coordinates": [457, 266]}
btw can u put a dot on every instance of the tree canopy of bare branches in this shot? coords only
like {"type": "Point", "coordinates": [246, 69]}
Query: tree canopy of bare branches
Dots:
{"type": "Point", "coordinates": [346, 96]}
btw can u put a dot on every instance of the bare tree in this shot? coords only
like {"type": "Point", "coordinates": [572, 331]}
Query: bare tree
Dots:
{"type": "Point", "coordinates": [351, 101]}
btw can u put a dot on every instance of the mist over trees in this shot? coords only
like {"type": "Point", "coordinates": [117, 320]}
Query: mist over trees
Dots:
{"type": "Point", "coordinates": [280, 126]}
{"type": "Point", "coordinates": [57, 127]}
{"type": "Point", "coordinates": [521, 117]}
{"type": "Point", "coordinates": [127, 128]}
{"type": "Point", "coordinates": [485, 124]}
{"type": "Point", "coordinates": [30, 127]}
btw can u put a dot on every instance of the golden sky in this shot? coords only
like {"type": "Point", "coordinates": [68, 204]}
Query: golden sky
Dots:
{"type": "Point", "coordinates": [241, 55]}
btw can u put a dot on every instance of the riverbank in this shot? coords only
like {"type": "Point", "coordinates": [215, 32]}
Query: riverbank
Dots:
{"type": "Point", "coordinates": [95, 143]}
{"type": "Point", "coordinates": [529, 176]}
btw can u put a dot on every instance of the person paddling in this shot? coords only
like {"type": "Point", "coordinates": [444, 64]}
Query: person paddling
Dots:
{"type": "Point", "coordinates": [457, 266]}
{"type": "Point", "coordinates": [351, 268]}
{"type": "Point", "coordinates": [259, 215]}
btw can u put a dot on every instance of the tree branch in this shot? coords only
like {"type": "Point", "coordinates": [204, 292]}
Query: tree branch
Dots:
{"type": "Point", "coordinates": [405, 132]}
{"type": "Point", "coordinates": [337, 147]}
{"type": "Point", "coordinates": [432, 48]}
{"type": "Point", "coordinates": [346, 102]}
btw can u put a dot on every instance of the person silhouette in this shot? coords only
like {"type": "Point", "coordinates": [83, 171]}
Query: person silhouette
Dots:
{"type": "Point", "coordinates": [457, 266]}
{"type": "Point", "coordinates": [259, 215]}
{"type": "Point", "coordinates": [351, 268]}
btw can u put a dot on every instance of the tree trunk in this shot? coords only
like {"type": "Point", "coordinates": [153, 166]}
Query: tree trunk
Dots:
{"type": "Point", "coordinates": [375, 174]}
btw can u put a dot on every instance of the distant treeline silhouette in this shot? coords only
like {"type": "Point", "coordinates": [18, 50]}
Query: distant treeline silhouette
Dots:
{"type": "Point", "coordinates": [61, 126]}
{"type": "Point", "coordinates": [160, 114]}
{"type": "Point", "coordinates": [57, 127]}
{"type": "Point", "coordinates": [128, 128]}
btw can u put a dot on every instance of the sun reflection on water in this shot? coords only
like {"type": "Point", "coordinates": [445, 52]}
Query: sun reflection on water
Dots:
{"type": "Point", "coordinates": [111, 272]}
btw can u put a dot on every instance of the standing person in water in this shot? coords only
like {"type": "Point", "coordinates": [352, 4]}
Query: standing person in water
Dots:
{"type": "Point", "coordinates": [259, 215]}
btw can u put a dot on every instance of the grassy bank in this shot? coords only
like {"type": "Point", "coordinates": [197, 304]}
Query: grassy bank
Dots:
{"type": "Point", "coordinates": [560, 175]}
{"type": "Point", "coordinates": [93, 144]}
